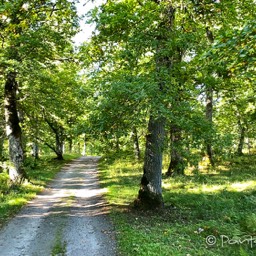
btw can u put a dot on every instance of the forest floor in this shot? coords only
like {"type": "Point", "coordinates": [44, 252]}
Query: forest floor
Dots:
{"type": "Point", "coordinates": [70, 217]}
{"type": "Point", "coordinates": [208, 212]}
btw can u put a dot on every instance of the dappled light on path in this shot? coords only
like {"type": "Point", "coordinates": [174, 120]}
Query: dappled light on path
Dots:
{"type": "Point", "coordinates": [71, 207]}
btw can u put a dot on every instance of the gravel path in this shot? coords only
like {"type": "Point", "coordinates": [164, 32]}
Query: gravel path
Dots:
{"type": "Point", "coordinates": [68, 218]}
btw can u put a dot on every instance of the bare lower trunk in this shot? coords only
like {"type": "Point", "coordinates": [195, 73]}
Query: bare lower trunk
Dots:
{"type": "Point", "coordinates": [79, 148]}
{"type": "Point", "coordinates": [176, 166]}
{"type": "Point", "coordinates": [117, 143]}
{"type": "Point", "coordinates": [13, 130]}
{"type": "Point", "coordinates": [59, 138]}
{"type": "Point", "coordinates": [35, 149]}
{"type": "Point", "coordinates": [70, 145]}
{"type": "Point", "coordinates": [59, 147]}
{"type": "Point", "coordinates": [209, 114]}
{"type": "Point", "coordinates": [241, 139]}
{"type": "Point", "coordinates": [136, 144]}
{"type": "Point", "coordinates": [249, 145]}
{"type": "Point", "coordinates": [150, 193]}
{"type": "Point", "coordinates": [84, 145]}
{"type": "Point", "coordinates": [2, 139]}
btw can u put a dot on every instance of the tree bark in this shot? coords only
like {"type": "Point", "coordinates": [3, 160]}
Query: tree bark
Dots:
{"type": "Point", "coordinates": [35, 150]}
{"type": "Point", "coordinates": [117, 144]}
{"type": "Point", "coordinates": [136, 144]}
{"type": "Point", "coordinates": [249, 145]}
{"type": "Point", "coordinates": [176, 166]}
{"type": "Point", "coordinates": [13, 130]}
{"type": "Point", "coordinates": [79, 148]}
{"type": "Point", "coordinates": [150, 193]}
{"type": "Point", "coordinates": [70, 145]}
{"type": "Point", "coordinates": [209, 115]}
{"type": "Point", "coordinates": [2, 139]}
{"type": "Point", "coordinates": [59, 138]}
{"type": "Point", "coordinates": [84, 146]}
{"type": "Point", "coordinates": [241, 138]}
{"type": "Point", "coordinates": [59, 146]}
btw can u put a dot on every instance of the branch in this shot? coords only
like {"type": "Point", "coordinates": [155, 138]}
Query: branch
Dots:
{"type": "Point", "coordinates": [2, 37]}
{"type": "Point", "coordinates": [51, 125]}
{"type": "Point", "coordinates": [209, 35]}
{"type": "Point", "coordinates": [47, 144]}
{"type": "Point", "coordinates": [53, 9]}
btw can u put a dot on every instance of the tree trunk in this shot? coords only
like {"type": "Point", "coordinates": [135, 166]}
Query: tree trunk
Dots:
{"type": "Point", "coordinates": [150, 193]}
{"type": "Point", "coordinates": [2, 139]}
{"type": "Point", "coordinates": [35, 149]}
{"type": "Point", "coordinates": [241, 139]}
{"type": "Point", "coordinates": [70, 145]}
{"type": "Point", "coordinates": [59, 138]}
{"type": "Point", "coordinates": [79, 148]}
{"type": "Point", "coordinates": [117, 144]}
{"type": "Point", "coordinates": [13, 130]}
{"type": "Point", "coordinates": [209, 115]}
{"type": "Point", "coordinates": [249, 145]}
{"type": "Point", "coordinates": [136, 144]}
{"type": "Point", "coordinates": [176, 166]}
{"type": "Point", "coordinates": [59, 146]}
{"type": "Point", "coordinates": [84, 145]}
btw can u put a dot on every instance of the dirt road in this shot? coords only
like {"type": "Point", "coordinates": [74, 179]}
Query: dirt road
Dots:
{"type": "Point", "coordinates": [68, 218]}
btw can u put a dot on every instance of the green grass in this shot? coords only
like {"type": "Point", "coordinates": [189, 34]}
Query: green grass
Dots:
{"type": "Point", "coordinates": [40, 172]}
{"type": "Point", "coordinates": [218, 202]}
{"type": "Point", "coordinates": [59, 247]}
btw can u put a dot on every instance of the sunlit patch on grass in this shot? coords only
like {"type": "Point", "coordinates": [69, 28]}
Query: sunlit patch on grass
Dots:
{"type": "Point", "coordinates": [208, 189]}
{"type": "Point", "coordinates": [243, 186]}
{"type": "Point", "coordinates": [223, 168]}
{"type": "Point", "coordinates": [214, 201]}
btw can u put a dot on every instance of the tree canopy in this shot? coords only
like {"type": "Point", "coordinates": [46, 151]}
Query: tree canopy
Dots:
{"type": "Point", "coordinates": [176, 78]}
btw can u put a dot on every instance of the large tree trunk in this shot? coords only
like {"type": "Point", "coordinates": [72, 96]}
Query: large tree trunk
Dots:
{"type": "Point", "coordinates": [13, 130]}
{"type": "Point", "coordinates": [209, 105]}
{"type": "Point", "coordinates": [150, 193]}
{"type": "Point", "coordinates": [209, 115]}
{"type": "Point", "coordinates": [176, 166]}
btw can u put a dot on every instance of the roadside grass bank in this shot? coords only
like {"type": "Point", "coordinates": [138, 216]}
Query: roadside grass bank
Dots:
{"type": "Point", "coordinates": [211, 212]}
{"type": "Point", "coordinates": [40, 173]}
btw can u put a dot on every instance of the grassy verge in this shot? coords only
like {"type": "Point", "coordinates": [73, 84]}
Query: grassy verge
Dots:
{"type": "Point", "coordinates": [212, 212]}
{"type": "Point", "coordinates": [40, 172]}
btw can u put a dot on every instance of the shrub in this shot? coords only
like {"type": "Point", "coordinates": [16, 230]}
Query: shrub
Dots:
{"type": "Point", "coordinates": [4, 182]}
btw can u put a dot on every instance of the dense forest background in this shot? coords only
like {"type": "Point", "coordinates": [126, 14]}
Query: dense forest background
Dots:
{"type": "Point", "coordinates": [163, 90]}
{"type": "Point", "coordinates": [172, 78]}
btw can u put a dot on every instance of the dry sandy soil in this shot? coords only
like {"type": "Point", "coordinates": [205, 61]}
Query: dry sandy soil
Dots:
{"type": "Point", "coordinates": [69, 218]}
